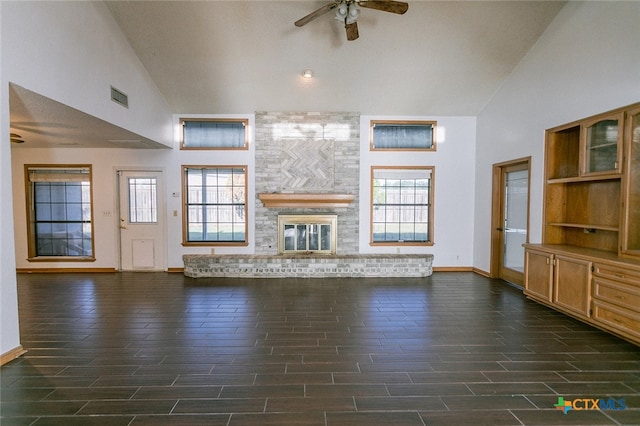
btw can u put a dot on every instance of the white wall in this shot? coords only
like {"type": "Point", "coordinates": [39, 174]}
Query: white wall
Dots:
{"type": "Point", "coordinates": [9, 333]}
{"type": "Point", "coordinates": [454, 161]}
{"type": "Point", "coordinates": [105, 163]}
{"type": "Point", "coordinates": [66, 51]}
{"type": "Point", "coordinates": [72, 52]}
{"type": "Point", "coordinates": [454, 172]}
{"type": "Point", "coordinates": [585, 63]}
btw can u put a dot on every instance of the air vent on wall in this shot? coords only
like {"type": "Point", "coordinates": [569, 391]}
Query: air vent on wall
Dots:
{"type": "Point", "coordinates": [119, 97]}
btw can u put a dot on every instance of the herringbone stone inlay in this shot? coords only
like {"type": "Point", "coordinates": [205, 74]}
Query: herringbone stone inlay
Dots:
{"type": "Point", "coordinates": [307, 164]}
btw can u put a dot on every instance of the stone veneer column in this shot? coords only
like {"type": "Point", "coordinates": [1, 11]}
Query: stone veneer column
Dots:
{"type": "Point", "coordinates": [273, 130]}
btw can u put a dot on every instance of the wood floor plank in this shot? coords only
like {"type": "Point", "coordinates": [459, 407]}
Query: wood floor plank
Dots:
{"type": "Point", "coordinates": [158, 348]}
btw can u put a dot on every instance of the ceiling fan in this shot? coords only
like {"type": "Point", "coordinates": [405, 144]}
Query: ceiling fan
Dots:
{"type": "Point", "coordinates": [349, 10]}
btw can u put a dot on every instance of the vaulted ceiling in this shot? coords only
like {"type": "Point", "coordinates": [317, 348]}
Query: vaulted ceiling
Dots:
{"type": "Point", "coordinates": [237, 57]}
{"type": "Point", "coordinates": [440, 57]}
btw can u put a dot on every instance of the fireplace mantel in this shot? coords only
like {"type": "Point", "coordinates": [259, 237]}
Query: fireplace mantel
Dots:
{"type": "Point", "coordinates": [305, 200]}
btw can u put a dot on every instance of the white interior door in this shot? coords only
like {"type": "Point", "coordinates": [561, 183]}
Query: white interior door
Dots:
{"type": "Point", "coordinates": [142, 230]}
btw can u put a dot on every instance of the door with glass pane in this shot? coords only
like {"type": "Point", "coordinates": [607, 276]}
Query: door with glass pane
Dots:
{"type": "Point", "coordinates": [142, 231]}
{"type": "Point", "coordinates": [511, 219]}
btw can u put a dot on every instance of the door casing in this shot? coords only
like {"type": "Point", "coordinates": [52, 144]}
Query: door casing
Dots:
{"type": "Point", "coordinates": [500, 171]}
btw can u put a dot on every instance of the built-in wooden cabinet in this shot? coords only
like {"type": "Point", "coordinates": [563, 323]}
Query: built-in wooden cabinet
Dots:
{"type": "Point", "coordinates": [630, 239]}
{"type": "Point", "coordinates": [591, 223]}
{"type": "Point", "coordinates": [571, 284]}
{"type": "Point", "coordinates": [559, 277]}
{"type": "Point", "coordinates": [538, 280]}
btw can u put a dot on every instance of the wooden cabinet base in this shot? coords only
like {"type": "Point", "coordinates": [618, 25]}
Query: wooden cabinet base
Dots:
{"type": "Point", "coordinates": [597, 287]}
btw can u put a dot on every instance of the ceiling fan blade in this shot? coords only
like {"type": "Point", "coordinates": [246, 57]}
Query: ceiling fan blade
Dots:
{"type": "Point", "coordinates": [398, 7]}
{"type": "Point", "coordinates": [352, 31]}
{"type": "Point", "coordinates": [316, 13]}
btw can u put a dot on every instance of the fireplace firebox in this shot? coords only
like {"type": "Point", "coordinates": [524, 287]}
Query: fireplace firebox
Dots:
{"type": "Point", "coordinates": [305, 234]}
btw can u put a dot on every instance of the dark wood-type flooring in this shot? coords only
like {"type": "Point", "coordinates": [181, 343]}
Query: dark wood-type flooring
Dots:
{"type": "Point", "coordinates": [163, 349]}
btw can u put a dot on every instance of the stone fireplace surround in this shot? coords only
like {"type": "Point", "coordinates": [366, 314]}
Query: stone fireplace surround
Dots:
{"type": "Point", "coordinates": [307, 162]}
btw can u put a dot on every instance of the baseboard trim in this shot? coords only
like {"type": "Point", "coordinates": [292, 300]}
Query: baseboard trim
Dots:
{"type": "Point", "coordinates": [175, 270]}
{"type": "Point", "coordinates": [481, 272]}
{"type": "Point", "coordinates": [452, 269]}
{"type": "Point", "coordinates": [12, 354]}
{"type": "Point", "coordinates": [64, 270]}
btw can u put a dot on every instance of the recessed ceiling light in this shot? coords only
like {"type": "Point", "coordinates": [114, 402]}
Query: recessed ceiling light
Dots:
{"type": "Point", "coordinates": [307, 73]}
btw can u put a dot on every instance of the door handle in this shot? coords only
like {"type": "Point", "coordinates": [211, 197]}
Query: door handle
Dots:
{"type": "Point", "coordinates": [122, 226]}
{"type": "Point", "coordinates": [500, 229]}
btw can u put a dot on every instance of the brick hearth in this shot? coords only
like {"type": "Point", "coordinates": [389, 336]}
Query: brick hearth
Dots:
{"type": "Point", "coordinates": [307, 266]}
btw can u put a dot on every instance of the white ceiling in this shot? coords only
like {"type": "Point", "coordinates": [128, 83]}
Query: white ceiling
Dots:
{"type": "Point", "coordinates": [440, 58]}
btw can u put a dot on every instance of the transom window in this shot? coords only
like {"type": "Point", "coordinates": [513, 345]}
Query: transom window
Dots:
{"type": "Point", "coordinates": [403, 135]}
{"type": "Point", "coordinates": [215, 205]}
{"type": "Point", "coordinates": [60, 212]}
{"type": "Point", "coordinates": [214, 133]}
{"type": "Point", "coordinates": [402, 205]}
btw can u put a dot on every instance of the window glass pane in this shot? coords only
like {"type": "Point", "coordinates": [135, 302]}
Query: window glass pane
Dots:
{"type": "Point", "coordinates": [401, 205]}
{"type": "Point", "coordinates": [195, 232]}
{"type": "Point", "coordinates": [402, 136]}
{"type": "Point", "coordinates": [289, 237]}
{"type": "Point", "coordinates": [238, 232]}
{"type": "Point", "coordinates": [214, 134]}
{"type": "Point", "coordinates": [56, 190]}
{"type": "Point", "coordinates": [301, 237]}
{"type": "Point", "coordinates": [325, 237]}
{"type": "Point", "coordinates": [61, 209]}
{"type": "Point", "coordinates": [220, 197]}
{"type": "Point", "coordinates": [313, 237]}
{"type": "Point", "coordinates": [143, 207]}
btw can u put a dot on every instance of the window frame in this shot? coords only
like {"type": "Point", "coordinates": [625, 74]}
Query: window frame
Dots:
{"type": "Point", "coordinates": [185, 208]}
{"type": "Point", "coordinates": [31, 221]}
{"type": "Point", "coordinates": [430, 241]}
{"type": "Point", "coordinates": [244, 121]}
{"type": "Point", "coordinates": [433, 124]}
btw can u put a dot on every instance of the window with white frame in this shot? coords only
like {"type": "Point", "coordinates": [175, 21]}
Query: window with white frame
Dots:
{"type": "Point", "coordinates": [60, 214]}
{"type": "Point", "coordinates": [402, 205]}
{"type": "Point", "coordinates": [214, 133]}
{"type": "Point", "coordinates": [395, 135]}
{"type": "Point", "coordinates": [215, 199]}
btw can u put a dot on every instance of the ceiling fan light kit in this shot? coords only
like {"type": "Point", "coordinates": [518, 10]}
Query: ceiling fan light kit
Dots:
{"type": "Point", "coordinates": [348, 11]}
{"type": "Point", "coordinates": [16, 138]}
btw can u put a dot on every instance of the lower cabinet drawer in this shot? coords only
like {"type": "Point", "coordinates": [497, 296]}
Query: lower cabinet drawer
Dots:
{"type": "Point", "coordinates": [621, 319]}
{"type": "Point", "coordinates": [629, 276]}
{"type": "Point", "coordinates": [617, 293]}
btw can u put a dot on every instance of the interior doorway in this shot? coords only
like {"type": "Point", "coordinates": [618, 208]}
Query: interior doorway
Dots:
{"type": "Point", "coordinates": [510, 219]}
{"type": "Point", "coordinates": [141, 218]}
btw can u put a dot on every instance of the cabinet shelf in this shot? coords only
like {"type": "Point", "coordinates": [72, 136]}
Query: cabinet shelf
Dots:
{"type": "Point", "coordinates": [604, 145]}
{"type": "Point", "coordinates": [587, 227]}
{"type": "Point", "coordinates": [580, 179]}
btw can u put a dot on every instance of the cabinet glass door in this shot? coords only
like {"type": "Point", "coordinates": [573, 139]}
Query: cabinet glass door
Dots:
{"type": "Point", "coordinates": [602, 146]}
{"type": "Point", "coordinates": [631, 237]}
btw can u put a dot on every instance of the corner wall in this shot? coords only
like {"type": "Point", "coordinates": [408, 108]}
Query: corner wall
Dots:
{"type": "Point", "coordinates": [585, 63]}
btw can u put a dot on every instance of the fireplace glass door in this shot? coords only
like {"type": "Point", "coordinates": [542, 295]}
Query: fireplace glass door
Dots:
{"type": "Point", "coordinates": [307, 234]}
{"type": "Point", "coordinates": [307, 237]}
